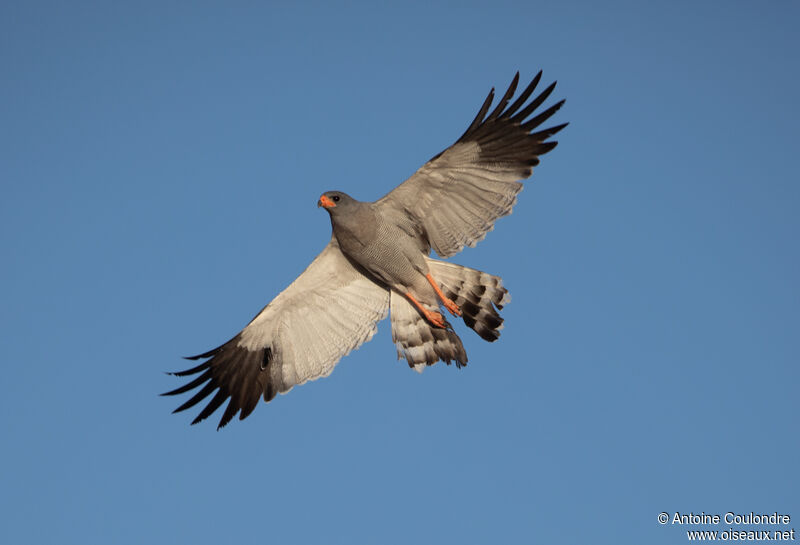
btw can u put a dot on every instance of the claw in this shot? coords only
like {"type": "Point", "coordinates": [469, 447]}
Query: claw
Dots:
{"type": "Point", "coordinates": [452, 307]}
{"type": "Point", "coordinates": [433, 317]}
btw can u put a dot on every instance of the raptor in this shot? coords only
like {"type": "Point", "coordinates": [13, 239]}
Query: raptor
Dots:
{"type": "Point", "coordinates": [379, 262]}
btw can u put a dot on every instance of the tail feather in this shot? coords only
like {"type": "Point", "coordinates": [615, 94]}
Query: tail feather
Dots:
{"type": "Point", "coordinates": [418, 341]}
{"type": "Point", "coordinates": [476, 292]}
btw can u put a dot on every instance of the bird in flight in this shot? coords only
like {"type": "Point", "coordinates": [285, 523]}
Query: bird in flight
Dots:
{"type": "Point", "coordinates": [378, 262]}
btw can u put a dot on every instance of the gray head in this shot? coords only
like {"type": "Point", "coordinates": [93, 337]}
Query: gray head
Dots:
{"type": "Point", "coordinates": [336, 202]}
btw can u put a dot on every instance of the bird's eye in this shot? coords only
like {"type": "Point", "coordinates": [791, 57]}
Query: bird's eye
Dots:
{"type": "Point", "coordinates": [335, 198]}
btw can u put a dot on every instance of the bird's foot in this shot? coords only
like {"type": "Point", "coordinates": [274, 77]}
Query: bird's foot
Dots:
{"type": "Point", "coordinates": [436, 319]}
{"type": "Point", "coordinates": [451, 307]}
{"type": "Point", "coordinates": [432, 316]}
{"type": "Point", "coordinates": [448, 304]}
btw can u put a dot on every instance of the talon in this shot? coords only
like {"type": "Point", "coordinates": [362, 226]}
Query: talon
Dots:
{"type": "Point", "coordinates": [452, 307]}
{"type": "Point", "coordinates": [448, 304]}
{"type": "Point", "coordinates": [435, 318]}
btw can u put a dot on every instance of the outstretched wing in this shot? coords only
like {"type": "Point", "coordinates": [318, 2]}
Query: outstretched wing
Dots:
{"type": "Point", "coordinates": [457, 196]}
{"type": "Point", "coordinates": [329, 310]}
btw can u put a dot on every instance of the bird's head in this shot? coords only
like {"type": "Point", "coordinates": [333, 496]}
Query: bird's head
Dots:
{"type": "Point", "coordinates": [336, 202]}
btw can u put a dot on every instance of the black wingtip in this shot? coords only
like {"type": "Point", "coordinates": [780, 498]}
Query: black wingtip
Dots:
{"type": "Point", "coordinates": [523, 96]}
{"type": "Point", "coordinates": [481, 114]}
{"type": "Point", "coordinates": [533, 104]}
{"type": "Point", "coordinates": [546, 147]}
{"type": "Point", "coordinates": [218, 399]}
{"type": "Point", "coordinates": [210, 353]}
{"type": "Point", "coordinates": [557, 128]}
{"type": "Point", "coordinates": [201, 356]}
{"type": "Point", "coordinates": [534, 122]}
{"type": "Point", "coordinates": [192, 371]}
{"type": "Point", "coordinates": [223, 422]}
{"type": "Point", "coordinates": [503, 102]}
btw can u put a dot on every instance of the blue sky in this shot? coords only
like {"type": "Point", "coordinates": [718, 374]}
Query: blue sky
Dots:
{"type": "Point", "coordinates": [160, 169]}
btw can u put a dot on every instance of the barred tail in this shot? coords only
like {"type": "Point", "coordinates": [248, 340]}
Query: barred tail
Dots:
{"type": "Point", "coordinates": [476, 292]}
{"type": "Point", "coordinates": [418, 341]}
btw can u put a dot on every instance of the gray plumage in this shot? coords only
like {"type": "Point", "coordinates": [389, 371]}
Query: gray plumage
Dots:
{"type": "Point", "coordinates": [378, 261]}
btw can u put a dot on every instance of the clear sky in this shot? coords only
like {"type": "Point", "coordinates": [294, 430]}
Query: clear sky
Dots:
{"type": "Point", "coordinates": [160, 166]}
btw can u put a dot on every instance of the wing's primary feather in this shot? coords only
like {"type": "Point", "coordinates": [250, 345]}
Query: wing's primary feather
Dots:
{"type": "Point", "coordinates": [457, 195]}
{"type": "Point", "coordinates": [329, 310]}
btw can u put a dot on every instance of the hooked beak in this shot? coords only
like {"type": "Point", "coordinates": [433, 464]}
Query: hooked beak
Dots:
{"type": "Point", "coordinates": [325, 202]}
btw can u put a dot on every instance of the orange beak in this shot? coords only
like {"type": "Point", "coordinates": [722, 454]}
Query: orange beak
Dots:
{"type": "Point", "coordinates": [325, 202]}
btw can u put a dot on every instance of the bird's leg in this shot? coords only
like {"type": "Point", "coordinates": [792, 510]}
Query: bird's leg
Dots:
{"type": "Point", "coordinates": [448, 304]}
{"type": "Point", "coordinates": [433, 317]}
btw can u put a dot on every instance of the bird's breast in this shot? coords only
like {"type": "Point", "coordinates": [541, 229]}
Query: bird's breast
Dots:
{"type": "Point", "coordinates": [382, 248]}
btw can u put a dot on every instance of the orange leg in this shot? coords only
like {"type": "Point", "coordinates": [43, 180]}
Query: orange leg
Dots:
{"type": "Point", "coordinates": [433, 317]}
{"type": "Point", "coordinates": [448, 304]}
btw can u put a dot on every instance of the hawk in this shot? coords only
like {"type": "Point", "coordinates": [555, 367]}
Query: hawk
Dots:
{"type": "Point", "coordinates": [379, 262]}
